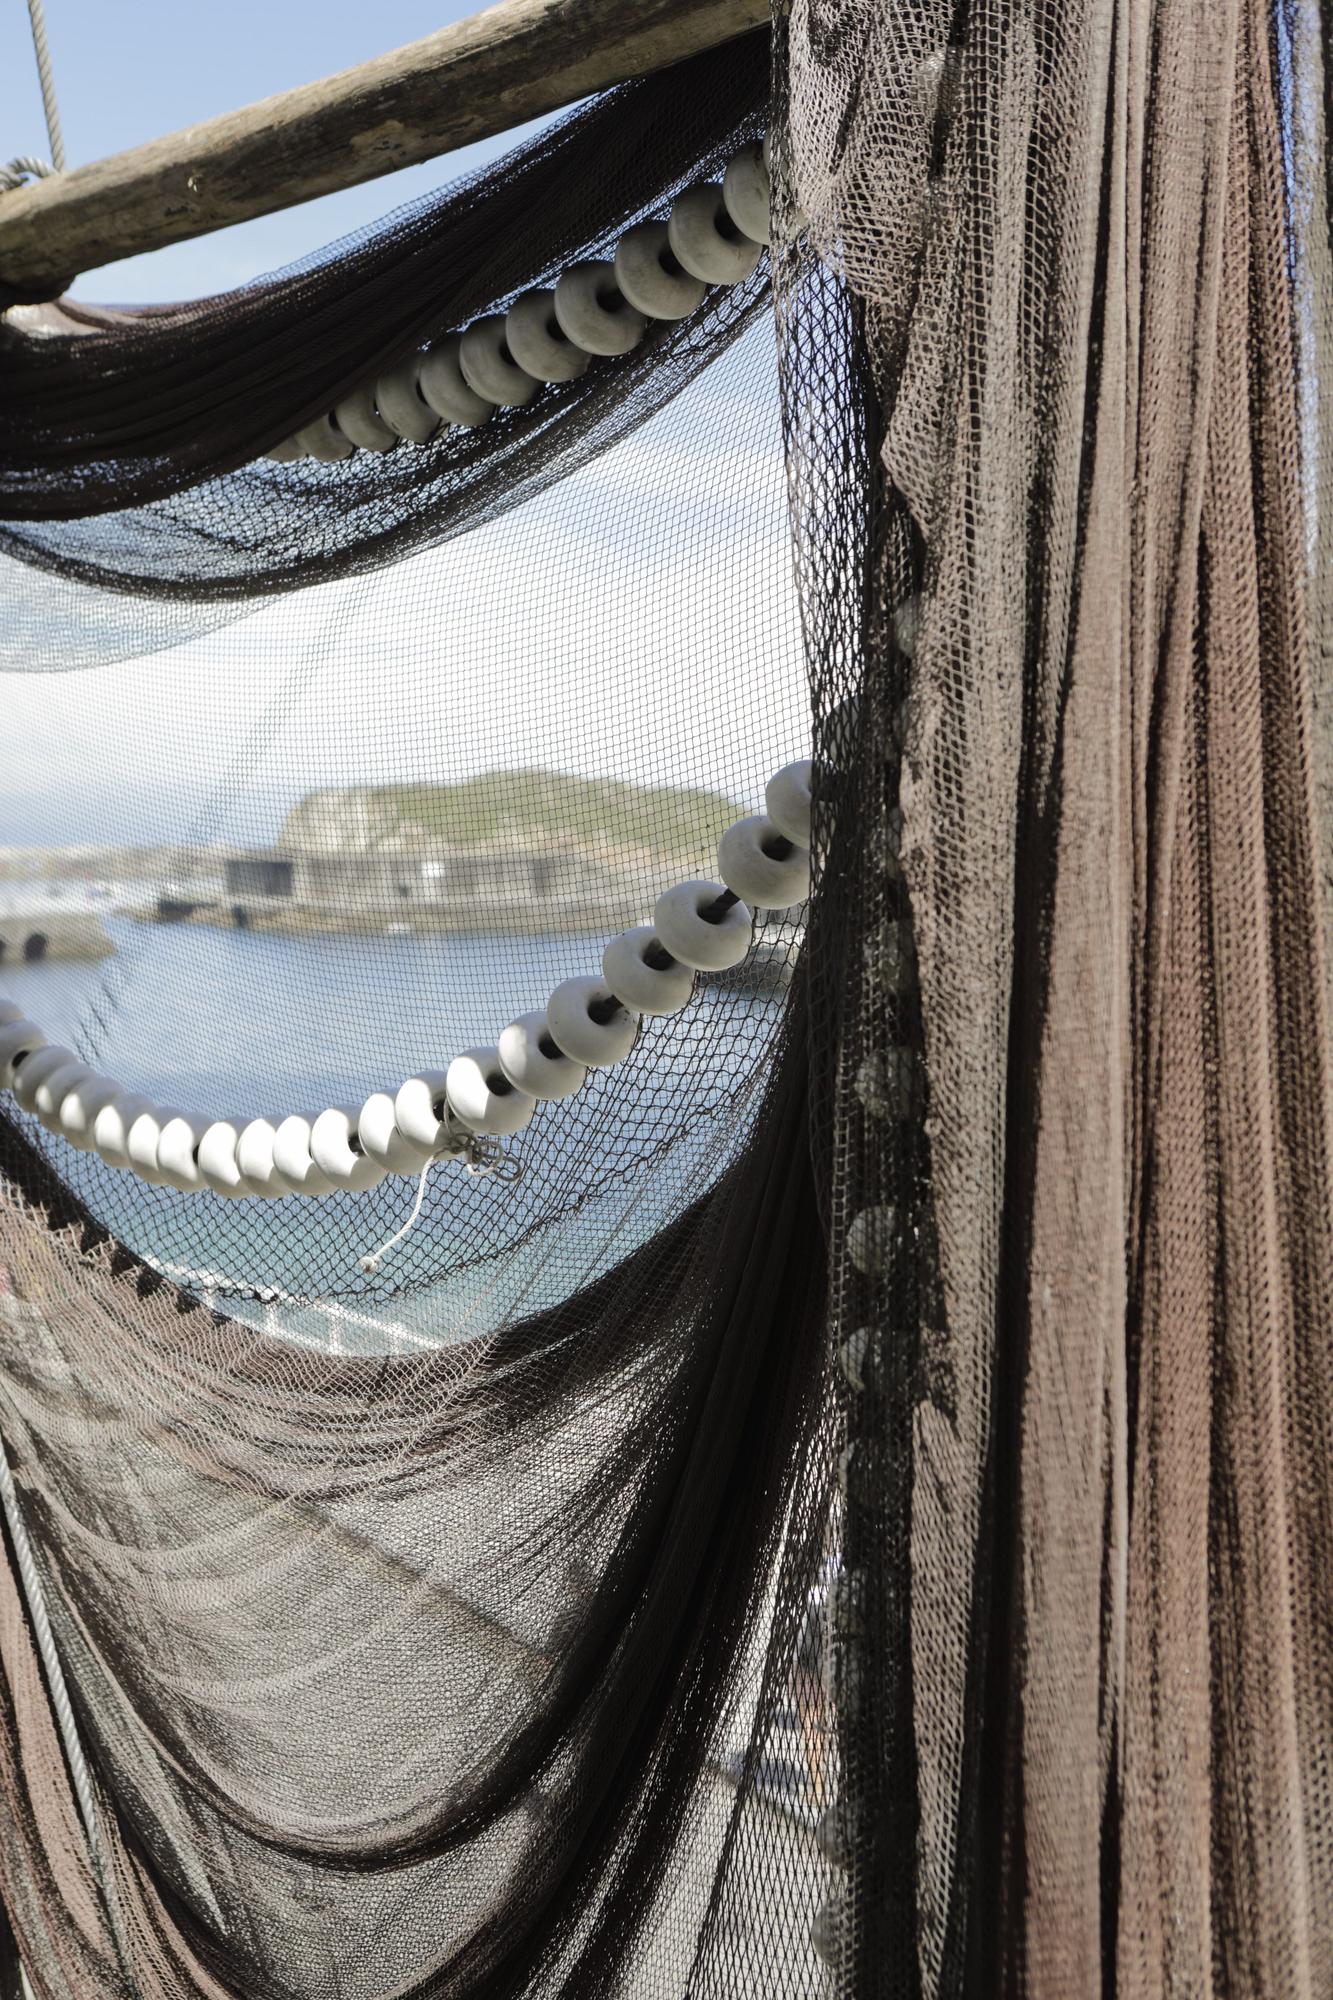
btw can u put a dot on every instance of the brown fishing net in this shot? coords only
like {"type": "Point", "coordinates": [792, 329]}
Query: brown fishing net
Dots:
{"type": "Point", "coordinates": [847, 1508]}
{"type": "Point", "coordinates": [1087, 251]}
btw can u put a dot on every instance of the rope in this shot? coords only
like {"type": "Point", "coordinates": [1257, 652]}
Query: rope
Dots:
{"type": "Point", "coordinates": [25, 168]}
{"type": "Point", "coordinates": [371, 1261]}
{"type": "Point", "coordinates": [46, 77]}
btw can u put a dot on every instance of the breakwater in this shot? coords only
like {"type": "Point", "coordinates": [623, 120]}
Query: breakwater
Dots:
{"type": "Point", "coordinates": [31, 936]}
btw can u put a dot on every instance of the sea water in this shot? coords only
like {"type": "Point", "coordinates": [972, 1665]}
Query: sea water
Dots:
{"type": "Point", "coordinates": [241, 1023]}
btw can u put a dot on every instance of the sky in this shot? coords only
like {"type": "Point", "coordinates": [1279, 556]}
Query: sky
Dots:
{"type": "Point", "coordinates": [637, 622]}
{"type": "Point", "coordinates": [133, 71]}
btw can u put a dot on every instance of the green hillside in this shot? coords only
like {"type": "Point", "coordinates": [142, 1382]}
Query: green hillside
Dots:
{"type": "Point", "coordinates": [513, 808]}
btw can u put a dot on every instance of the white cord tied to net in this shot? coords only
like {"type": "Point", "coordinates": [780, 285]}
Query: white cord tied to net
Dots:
{"type": "Point", "coordinates": [370, 1263]}
{"type": "Point", "coordinates": [484, 1157]}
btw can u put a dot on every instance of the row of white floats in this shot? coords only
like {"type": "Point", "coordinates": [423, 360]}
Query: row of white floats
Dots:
{"type": "Point", "coordinates": [486, 1093]}
{"type": "Point", "coordinates": [661, 271]}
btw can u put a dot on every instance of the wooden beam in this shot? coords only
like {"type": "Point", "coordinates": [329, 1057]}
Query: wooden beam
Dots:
{"type": "Point", "coordinates": [516, 60]}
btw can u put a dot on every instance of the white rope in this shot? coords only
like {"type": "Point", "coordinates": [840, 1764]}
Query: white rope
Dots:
{"type": "Point", "coordinates": [371, 1261]}
{"type": "Point", "coordinates": [25, 168]}
{"type": "Point", "coordinates": [46, 77]}
{"type": "Point", "coordinates": [484, 1159]}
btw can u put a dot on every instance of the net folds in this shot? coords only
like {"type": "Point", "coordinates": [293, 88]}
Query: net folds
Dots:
{"type": "Point", "coordinates": [857, 1516]}
{"type": "Point", "coordinates": [1086, 246]}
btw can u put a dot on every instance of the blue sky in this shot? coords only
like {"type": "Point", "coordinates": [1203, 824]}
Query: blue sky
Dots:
{"type": "Point", "coordinates": [668, 557]}
{"type": "Point", "coordinates": [131, 71]}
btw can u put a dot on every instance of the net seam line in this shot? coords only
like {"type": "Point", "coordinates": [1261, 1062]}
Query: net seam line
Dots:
{"type": "Point", "coordinates": [60, 1701]}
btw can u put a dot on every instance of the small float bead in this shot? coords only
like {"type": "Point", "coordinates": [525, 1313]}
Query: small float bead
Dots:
{"type": "Point", "coordinates": [359, 420]}
{"type": "Point", "coordinates": [336, 1150]}
{"type": "Point", "coordinates": [826, 1932]}
{"type": "Point", "coordinates": [833, 1836]}
{"type": "Point", "coordinates": [907, 625]}
{"type": "Point", "coordinates": [18, 1040]}
{"type": "Point", "coordinates": [111, 1129]}
{"type": "Point", "coordinates": [293, 1162]}
{"type": "Point", "coordinates": [40, 1064]}
{"type": "Point", "coordinates": [574, 1015]}
{"type": "Point", "coordinates": [217, 1160]}
{"type": "Point", "coordinates": [748, 194]}
{"type": "Point", "coordinates": [706, 241]}
{"type": "Point", "coordinates": [857, 1357]}
{"type": "Point", "coordinates": [383, 1141]}
{"type": "Point", "coordinates": [440, 381]}
{"type": "Point", "coordinates": [142, 1142]}
{"type": "Point", "coordinates": [401, 404]}
{"type": "Point", "coordinates": [538, 342]}
{"type": "Point", "coordinates": [178, 1152]}
{"type": "Point", "coordinates": [889, 1083]}
{"type": "Point", "coordinates": [533, 1061]}
{"type": "Point", "coordinates": [847, 1604]}
{"type": "Point", "coordinates": [79, 1108]}
{"type": "Point", "coordinates": [323, 440]}
{"type": "Point", "coordinates": [482, 1097]}
{"type": "Point", "coordinates": [642, 987]}
{"type": "Point", "coordinates": [651, 277]}
{"type": "Point", "coordinates": [489, 368]}
{"type": "Point", "coordinates": [843, 1675]}
{"type": "Point", "coordinates": [871, 1236]}
{"type": "Point", "coordinates": [53, 1089]}
{"type": "Point", "coordinates": [421, 1112]}
{"type": "Point", "coordinates": [593, 311]}
{"type": "Point", "coordinates": [787, 798]}
{"type": "Point", "coordinates": [711, 943]}
{"type": "Point", "coordinates": [254, 1157]}
{"type": "Point", "coordinates": [9, 1011]}
{"type": "Point", "coordinates": [888, 952]}
{"type": "Point", "coordinates": [762, 866]}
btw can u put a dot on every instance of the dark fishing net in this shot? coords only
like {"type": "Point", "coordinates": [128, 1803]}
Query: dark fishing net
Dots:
{"type": "Point", "coordinates": [612, 667]}
{"type": "Point", "coordinates": [402, 812]}
{"type": "Point", "coordinates": [409, 1629]}
{"type": "Point", "coordinates": [896, 1398]}
{"type": "Point", "coordinates": [103, 410]}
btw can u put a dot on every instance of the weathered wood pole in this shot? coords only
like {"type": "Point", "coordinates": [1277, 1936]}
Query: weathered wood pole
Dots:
{"type": "Point", "coordinates": [516, 60]}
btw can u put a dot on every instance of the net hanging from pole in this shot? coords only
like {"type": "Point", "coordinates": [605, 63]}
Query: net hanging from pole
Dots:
{"type": "Point", "coordinates": [845, 1508]}
{"type": "Point", "coordinates": [1084, 1749]}
{"type": "Point", "coordinates": [383, 752]}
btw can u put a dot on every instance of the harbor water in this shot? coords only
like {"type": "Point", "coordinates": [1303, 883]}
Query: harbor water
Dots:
{"type": "Point", "coordinates": [241, 1023]}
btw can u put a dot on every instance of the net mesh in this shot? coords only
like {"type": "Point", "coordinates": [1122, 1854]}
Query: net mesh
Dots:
{"type": "Point", "coordinates": [1087, 248]}
{"type": "Point", "coordinates": [399, 820]}
{"type": "Point", "coordinates": [895, 1399]}
{"type": "Point", "coordinates": [498, 1532]}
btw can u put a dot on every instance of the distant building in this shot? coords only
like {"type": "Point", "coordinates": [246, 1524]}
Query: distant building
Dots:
{"type": "Point", "coordinates": [470, 888]}
{"type": "Point", "coordinates": [259, 875]}
{"type": "Point", "coordinates": [507, 875]}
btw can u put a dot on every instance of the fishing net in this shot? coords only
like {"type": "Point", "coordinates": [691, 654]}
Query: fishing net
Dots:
{"type": "Point", "coordinates": [448, 1745]}
{"type": "Point", "coordinates": [841, 1502]}
{"type": "Point", "coordinates": [1087, 251]}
